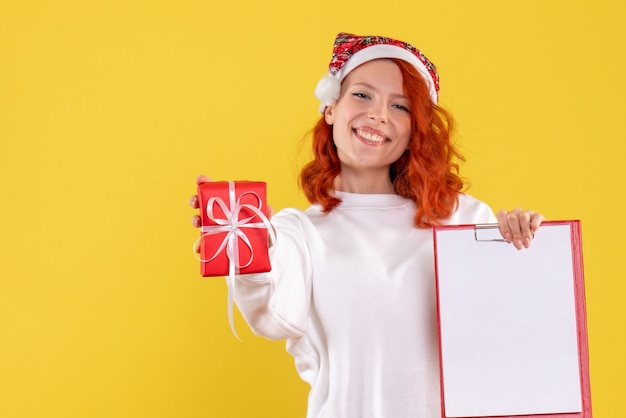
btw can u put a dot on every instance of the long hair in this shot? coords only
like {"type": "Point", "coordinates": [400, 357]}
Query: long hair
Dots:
{"type": "Point", "coordinates": [426, 173]}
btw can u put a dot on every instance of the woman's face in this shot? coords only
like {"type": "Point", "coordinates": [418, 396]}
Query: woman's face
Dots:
{"type": "Point", "coordinates": [371, 120]}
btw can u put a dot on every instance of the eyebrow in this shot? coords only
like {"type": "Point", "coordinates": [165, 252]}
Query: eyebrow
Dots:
{"type": "Point", "coordinates": [367, 85]}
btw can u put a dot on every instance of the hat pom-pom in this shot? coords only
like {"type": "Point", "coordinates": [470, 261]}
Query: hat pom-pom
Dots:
{"type": "Point", "coordinates": [327, 90]}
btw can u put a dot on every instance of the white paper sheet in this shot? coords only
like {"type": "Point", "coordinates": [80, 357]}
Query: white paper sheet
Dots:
{"type": "Point", "coordinates": [508, 325]}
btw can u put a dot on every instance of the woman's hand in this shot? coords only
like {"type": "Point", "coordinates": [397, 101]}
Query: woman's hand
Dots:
{"type": "Point", "coordinates": [519, 226]}
{"type": "Point", "coordinates": [194, 200]}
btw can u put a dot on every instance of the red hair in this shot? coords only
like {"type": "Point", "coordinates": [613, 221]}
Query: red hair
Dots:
{"type": "Point", "coordinates": [427, 173]}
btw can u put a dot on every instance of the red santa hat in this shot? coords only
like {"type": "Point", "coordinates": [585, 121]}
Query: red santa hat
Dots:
{"type": "Point", "coordinates": [350, 51]}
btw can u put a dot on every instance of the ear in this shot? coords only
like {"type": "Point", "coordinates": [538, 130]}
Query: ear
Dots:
{"type": "Point", "coordinates": [329, 114]}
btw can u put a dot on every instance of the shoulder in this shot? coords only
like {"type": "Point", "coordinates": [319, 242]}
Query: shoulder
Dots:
{"type": "Point", "coordinates": [288, 215]}
{"type": "Point", "coordinates": [294, 218]}
{"type": "Point", "coordinates": [470, 203]}
{"type": "Point", "coordinates": [471, 210]}
{"type": "Point", "coordinates": [293, 227]}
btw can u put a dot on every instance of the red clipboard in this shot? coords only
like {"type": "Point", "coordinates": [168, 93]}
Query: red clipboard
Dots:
{"type": "Point", "coordinates": [512, 324]}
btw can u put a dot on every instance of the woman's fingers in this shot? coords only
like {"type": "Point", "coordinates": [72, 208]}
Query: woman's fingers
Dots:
{"type": "Point", "coordinates": [519, 226]}
{"type": "Point", "coordinates": [203, 179]}
{"type": "Point", "coordinates": [194, 201]}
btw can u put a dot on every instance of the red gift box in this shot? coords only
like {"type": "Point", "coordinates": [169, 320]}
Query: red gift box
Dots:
{"type": "Point", "coordinates": [233, 221]}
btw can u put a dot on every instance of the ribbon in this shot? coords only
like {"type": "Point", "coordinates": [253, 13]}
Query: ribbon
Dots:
{"type": "Point", "coordinates": [233, 226]}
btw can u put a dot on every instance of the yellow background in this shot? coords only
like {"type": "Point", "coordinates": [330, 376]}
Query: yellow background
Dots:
{"type": "Point", "coordinates": [109, 110]}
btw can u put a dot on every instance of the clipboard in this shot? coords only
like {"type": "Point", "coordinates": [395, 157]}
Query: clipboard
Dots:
{"type": "Point", "coordinates": [512, 324]}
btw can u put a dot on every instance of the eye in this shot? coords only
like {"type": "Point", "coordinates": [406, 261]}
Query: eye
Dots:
{"type": "Point", "coordinates": [402, 107]}
{"type": "Point", "coordinates": [361, 95]}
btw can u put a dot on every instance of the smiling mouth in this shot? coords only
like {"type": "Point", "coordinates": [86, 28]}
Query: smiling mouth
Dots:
{"type": "Point", "coordinates": [370, 137]}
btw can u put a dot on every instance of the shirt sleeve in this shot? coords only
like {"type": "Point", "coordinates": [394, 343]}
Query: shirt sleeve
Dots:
{"type": "Point", "coordinates": [276, 304]}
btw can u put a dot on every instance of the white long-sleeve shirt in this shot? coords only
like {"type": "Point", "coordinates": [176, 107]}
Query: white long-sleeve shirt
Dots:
{"type": "Point", "coordinates": [353, 293]}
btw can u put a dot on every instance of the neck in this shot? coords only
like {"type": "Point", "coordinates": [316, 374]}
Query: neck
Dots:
{"type": "Point", "coordinates": [364, 183]}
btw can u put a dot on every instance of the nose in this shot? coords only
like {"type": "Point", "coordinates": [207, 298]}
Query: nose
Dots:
{"type": "Point", "coordinates": [378, 113]}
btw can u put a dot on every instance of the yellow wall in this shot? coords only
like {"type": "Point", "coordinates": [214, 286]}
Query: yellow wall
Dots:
{"type": "Point", "coordinates": [109, 109]}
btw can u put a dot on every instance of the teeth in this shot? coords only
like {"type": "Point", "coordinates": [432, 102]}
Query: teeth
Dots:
{"type": "Point", "coordinates": [370, 136]}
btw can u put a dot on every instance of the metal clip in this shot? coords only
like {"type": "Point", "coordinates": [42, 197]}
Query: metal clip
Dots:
{"type": "Point", "coordinates": [488, 232]}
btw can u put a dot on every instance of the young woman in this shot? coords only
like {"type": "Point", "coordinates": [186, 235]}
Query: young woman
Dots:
{"type": "Point", "coordinates": [352, 283]}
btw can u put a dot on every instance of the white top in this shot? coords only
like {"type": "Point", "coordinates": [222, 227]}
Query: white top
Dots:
{"type": "Point", "coordinates": [353, 293]}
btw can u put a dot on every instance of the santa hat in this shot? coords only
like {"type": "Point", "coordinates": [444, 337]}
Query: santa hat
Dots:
{"type": "Point", "coordinates": [350, 51]}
